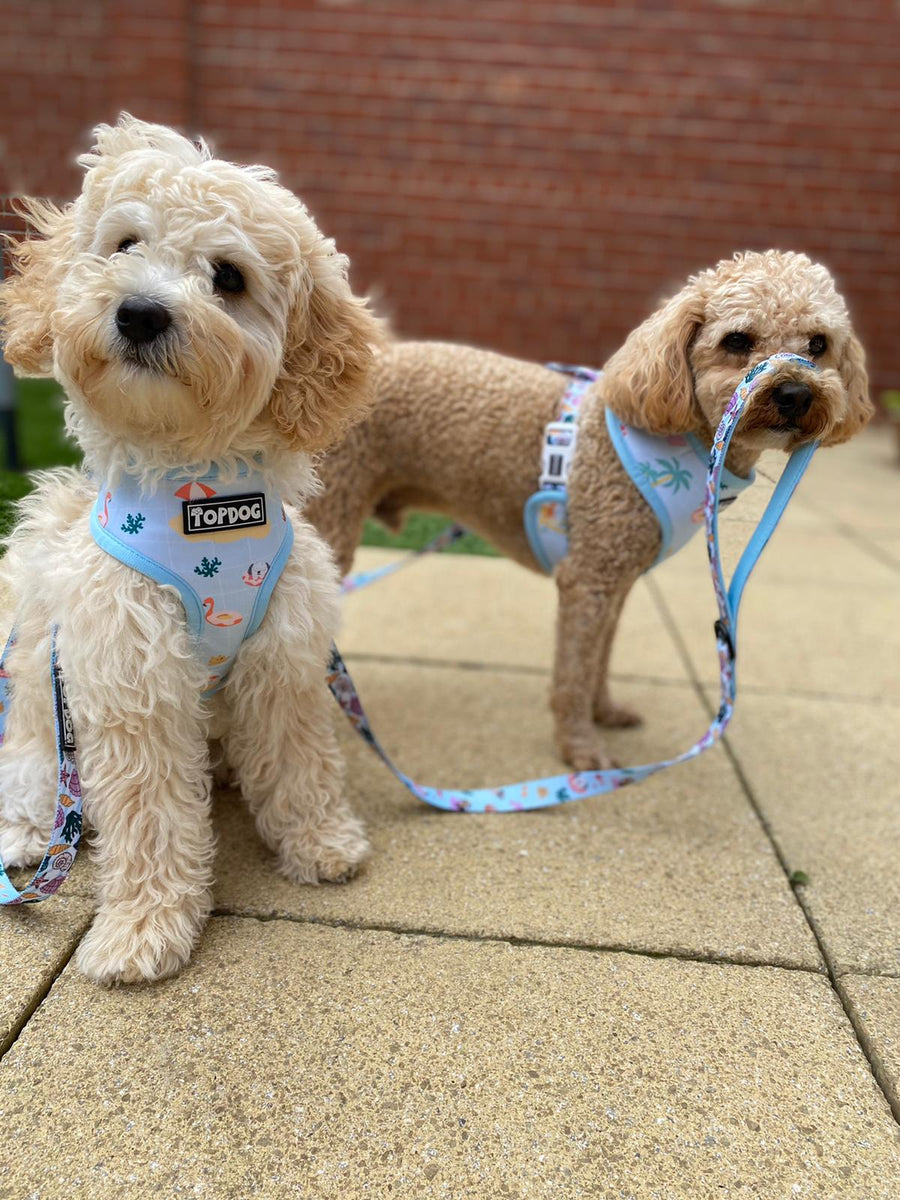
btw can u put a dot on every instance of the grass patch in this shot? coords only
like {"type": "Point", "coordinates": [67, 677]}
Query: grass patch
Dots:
{"type": "Point", "coordinates": [418, 530]}
{"type": "Point", "coordinates": [43, 443]}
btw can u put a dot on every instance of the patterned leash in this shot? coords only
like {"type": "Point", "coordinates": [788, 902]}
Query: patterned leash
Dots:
{"type": "Point", "coordinates": [559, 789]}
{"type": "Point", "coordinates": [66, 833]}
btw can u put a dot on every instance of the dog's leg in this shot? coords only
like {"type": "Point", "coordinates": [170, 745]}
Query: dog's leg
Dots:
{"type": "Point", "coordinates": [606, 711]}
{"type": "Point", "coordinates": [589, 607]}
{"type": "Point", "coordinates": [283, 748]}
{"type": "Point", "coordinates": [28, 759]}
{"type": "Point", "coordinates": [142, 755]}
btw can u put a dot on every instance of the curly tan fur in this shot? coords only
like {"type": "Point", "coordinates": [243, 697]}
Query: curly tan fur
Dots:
{"type": "Point", "coordinates": [250, 377]}
{"type": "Point", "coordinates": [458, 431]}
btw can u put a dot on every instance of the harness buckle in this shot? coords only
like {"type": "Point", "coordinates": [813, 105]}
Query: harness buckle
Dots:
{"type": "Point", "coordinates": [723, 634]}
{"type": "Point", "coordinates": [557, 453]}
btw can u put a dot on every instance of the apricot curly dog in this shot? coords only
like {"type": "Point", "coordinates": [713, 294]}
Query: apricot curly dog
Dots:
{"type": "Point", "coordinates": [459, 431]}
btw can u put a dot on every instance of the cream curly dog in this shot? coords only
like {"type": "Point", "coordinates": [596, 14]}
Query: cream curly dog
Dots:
{"type": "Point", "coordinates": [458, 431]}
{"type": "Point", "coordinates": [193, 313]}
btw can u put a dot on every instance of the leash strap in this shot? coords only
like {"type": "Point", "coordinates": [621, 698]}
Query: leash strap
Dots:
{"type": "Point", "coordinates": [560, 789]}
{"type": "Point", "coordinates": [361, 579]}
{"type": "Point", "coordinates": [66, 833]}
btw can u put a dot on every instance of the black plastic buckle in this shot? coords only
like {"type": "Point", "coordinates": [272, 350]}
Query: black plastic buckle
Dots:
{"type": "Point", "coordinates": [723, 633]}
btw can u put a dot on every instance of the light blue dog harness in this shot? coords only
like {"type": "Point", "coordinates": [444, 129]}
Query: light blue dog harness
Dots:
{"type": "Point", "coordinates": [222, 546]}
{"type": "Point", "coordinates": [669, 472]}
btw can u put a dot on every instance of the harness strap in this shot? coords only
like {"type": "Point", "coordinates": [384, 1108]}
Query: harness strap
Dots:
{"type": "Point", "coordinates": [559, 789]}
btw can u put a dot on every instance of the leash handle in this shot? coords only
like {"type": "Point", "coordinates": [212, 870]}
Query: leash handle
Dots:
{"type": "Point", "coordinates": [561, 789]}
{"type": "Point", "coordinates": [65, 835]}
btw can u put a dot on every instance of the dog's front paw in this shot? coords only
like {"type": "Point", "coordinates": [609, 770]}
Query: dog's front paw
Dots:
{"type": "Point", "coordinates": [326, 856]}
{"type": "Point", "coordinates": [585, 753]}
{"type": "Point", "coordinates": [139, 949]}
{"type": "Point", "coordinates": [615, 716]}
{"type": "Point", "coordinates": [22, 845]}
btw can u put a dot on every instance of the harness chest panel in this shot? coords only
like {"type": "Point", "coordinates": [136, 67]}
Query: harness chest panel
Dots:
{"type": "Point", "coordinates": [222, 546]}
{"type": "Point", "coordinates": [669, 472]}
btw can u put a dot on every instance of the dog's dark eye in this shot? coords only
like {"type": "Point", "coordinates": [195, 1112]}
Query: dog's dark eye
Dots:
{"type": "Point", "coordinates": [125, 245]}
{"type": "Point", "coordinates": [227, 278]}
{"type": "Point", "coordinates": [818, 344]}
{"type": "Point", "coordinates": [737, 343]}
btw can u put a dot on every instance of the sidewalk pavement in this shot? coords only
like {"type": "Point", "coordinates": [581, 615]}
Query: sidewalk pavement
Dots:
{"type": "Point", "coordinates": [622, 998]}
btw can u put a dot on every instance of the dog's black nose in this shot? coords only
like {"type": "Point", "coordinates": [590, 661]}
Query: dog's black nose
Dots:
{"type": "Point", "coordinates": [141, 319]}
{"type": "Point", "coordinates": [792, 399]}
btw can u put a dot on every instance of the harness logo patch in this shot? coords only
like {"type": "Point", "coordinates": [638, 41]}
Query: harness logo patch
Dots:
{"type": "Point", "coordinates": [216, 514]}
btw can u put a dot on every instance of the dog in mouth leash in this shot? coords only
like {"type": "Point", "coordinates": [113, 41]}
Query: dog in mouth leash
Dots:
{"type": "Point", "coordinates": [459, 431]}
{"type": "Point", "coordinates": [208, 343]}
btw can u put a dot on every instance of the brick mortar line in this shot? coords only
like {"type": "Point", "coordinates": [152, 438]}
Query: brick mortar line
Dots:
{"type": "Point", "coordinates": [400, 930]}
{"type": "Point", "coordinates": [863, 1040]}
{"type": "Point", "coordinates": [41, 993]}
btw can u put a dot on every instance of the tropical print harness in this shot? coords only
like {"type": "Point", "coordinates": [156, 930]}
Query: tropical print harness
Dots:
{"type": "Point", "coordinates": [669, 472]}
{"type": "Point", "coordinates": [221, 546]}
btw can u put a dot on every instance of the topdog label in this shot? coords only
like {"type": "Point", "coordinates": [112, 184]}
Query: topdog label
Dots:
{"type": "Point", "coordinates": [219, 513]}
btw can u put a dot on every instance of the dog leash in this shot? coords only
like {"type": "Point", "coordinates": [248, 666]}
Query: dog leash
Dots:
{"type": "Point", "coordinates": [66, 833]}
{"type": "Point", "coordinates": [561, 789]}
{"type": "Point", "coordinates": [361, 579]}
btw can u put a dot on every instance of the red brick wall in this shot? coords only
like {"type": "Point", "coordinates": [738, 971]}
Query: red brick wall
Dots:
{"type": "Point", "coordinates": [525, 174]}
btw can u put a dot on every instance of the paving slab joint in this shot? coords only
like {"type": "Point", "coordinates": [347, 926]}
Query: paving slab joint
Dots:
{"type": "Point", "coordinates": [43, 991]}
{"type": "Point", "coordinates": [509, 940]}
{"type": "Point", "coordinates": [875, 1064]}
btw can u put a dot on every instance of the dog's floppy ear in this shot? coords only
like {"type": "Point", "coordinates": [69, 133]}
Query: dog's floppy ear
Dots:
{"type": "Point", "coordinates": [28, 294]}
{"type": "Point", "coordinates": [648, 381]}
{"type": "Point", "coordinates": [860, 408]}
{"type": "Point", "coordinates": [324, 383]}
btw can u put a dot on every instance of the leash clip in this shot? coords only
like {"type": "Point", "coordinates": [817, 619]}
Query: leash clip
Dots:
{"type": "Point", "coordinates": [723, 634]}
{"type": "Point", "coordinates": [557, 453]}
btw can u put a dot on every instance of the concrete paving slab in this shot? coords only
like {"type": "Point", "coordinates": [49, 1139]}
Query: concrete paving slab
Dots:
{"type": "Point", "coordinates": [799, 552]}
{"type": "Point", "coordinates": [489, 610]}
{"type": "Point", "coordinates": [678, 864]}
{"type": "Point", "coordinates": [36, 940]}
{"type": "Point", "coordinates": [825, 774]}
{"type": "Point", "coordinates": [874, 1002]}
{"type": "Point", "coordinates": [803, 636]}
{"type": "Point", "coordinates": [291, 1060]}
{"type": "Point", "coordinates": [857, 483]}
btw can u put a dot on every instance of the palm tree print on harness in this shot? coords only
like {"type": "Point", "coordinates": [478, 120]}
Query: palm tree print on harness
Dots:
{"type": "Point", "coordinates": [671, 474]}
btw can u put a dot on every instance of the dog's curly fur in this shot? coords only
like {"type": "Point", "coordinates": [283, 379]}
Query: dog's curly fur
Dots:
{"type": "Point", "coordinates": [265, 376]}
{"type": "Point", "coordinates": [458, 431]}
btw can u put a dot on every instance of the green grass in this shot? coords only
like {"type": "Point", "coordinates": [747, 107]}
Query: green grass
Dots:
{"type": "Point", "coordinates": [42, 443]}
{"type": "Point", "coordinates": [418, 530]}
